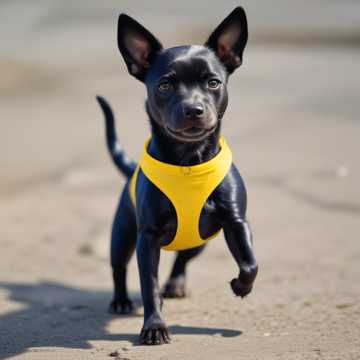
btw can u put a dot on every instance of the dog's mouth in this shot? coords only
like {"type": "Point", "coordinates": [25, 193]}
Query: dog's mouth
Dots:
{"type": "Point", "coordinates": [191, 134]}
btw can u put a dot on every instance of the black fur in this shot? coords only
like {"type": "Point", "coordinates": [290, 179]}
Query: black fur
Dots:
{"type": "Point", "coordinates": [125, 165]}
{"type": "Point", "coordinates": [187, 98]}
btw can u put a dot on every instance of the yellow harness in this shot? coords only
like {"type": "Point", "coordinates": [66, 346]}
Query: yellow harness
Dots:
{"type": "Point", "coordinates": [188, 188]}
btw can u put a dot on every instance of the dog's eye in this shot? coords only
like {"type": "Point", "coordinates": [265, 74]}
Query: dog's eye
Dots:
{"type": "Point", "coordinates": [214, 83]}
{"type": "Point", "coordinates": [164, 86]}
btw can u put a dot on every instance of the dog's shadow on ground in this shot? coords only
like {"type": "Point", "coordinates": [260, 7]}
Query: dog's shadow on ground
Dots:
{"type": "Point", "coordinates": [55, 315]}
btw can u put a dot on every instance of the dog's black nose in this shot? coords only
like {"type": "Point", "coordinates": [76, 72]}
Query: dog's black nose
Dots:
{"type": "Point", "coordinates": [194, 111]}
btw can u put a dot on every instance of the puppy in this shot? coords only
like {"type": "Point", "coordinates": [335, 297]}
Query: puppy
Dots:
{"type": "Point", "coordinates": [185, 188]}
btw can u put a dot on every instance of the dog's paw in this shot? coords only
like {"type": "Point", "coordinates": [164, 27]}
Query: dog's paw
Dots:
{"type": "Point", "coordinates": [174, 288]}
{"type": "Point", "coordinates": [154, 332]}
{"type": "Point", "coordinates": [243, 285]}
{"type": "Point", "coordinates": [124, 307]}
{"type": "Point", "coordinates": [239, 288]}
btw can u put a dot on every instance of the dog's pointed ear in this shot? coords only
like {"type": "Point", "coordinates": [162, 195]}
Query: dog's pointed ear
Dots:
{"type": "Point", "coordinates": [229, 39]}
{"type": "Point", "coordinates": [137, 46]}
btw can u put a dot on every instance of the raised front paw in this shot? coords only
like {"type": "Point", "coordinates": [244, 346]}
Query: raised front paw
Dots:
{"type": "Point", "coordinates": [123, 307]}
{"type": "Point", "coordinates": [154, 332]}
{"type": "Point", "coordinates": [243, 285]}
{"type": "Point", "coordinates": [174, 288]}
{"type": "Point", "coordinates": [240, 289]}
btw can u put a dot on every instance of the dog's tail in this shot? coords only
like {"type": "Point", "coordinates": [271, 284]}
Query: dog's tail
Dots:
{"type": "Point", "coordinates": [121, 160]}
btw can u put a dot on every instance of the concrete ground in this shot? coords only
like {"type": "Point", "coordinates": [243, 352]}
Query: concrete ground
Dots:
{"type": "Point", "coordinates": [293, 126]}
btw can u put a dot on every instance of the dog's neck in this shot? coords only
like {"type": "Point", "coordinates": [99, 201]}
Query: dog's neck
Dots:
{"type": "Point", "coordinates": [168, 150]}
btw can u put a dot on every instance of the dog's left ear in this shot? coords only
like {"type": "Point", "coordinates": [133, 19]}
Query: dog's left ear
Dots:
{"type": "Point", "coordinates": [229, 39]}
{"type": "Point", "coordinates": [137, 46]}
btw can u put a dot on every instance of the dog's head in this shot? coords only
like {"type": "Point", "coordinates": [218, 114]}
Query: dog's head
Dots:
{"type": "Point", "coordinates": [186, 85]}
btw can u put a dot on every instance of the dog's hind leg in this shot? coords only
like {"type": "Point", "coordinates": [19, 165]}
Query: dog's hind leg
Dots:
{"type": "Point", "coordinates": [175, 287]}
{"type": "Point", "coordinates": [123, 241]}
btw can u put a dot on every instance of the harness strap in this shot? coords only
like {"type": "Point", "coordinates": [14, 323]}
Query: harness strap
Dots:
{"type": "Point", "coordinates": [188, 188]}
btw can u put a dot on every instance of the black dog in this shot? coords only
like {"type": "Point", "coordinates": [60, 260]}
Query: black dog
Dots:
{"type": "Point", "coordinates": [187, 98]}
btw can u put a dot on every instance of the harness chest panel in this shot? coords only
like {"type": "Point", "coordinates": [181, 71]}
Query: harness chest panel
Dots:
{"type": "Point", "coordinates": [188, 188]}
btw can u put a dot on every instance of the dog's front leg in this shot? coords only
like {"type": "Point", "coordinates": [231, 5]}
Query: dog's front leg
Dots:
{"type": "Point", "coordinates": [239, 239]}
{"type": "Point", "coordinates": [154, 331]}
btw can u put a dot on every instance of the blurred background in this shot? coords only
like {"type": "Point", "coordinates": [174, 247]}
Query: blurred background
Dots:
{"type": "Point", "coordinates": [293, 126]}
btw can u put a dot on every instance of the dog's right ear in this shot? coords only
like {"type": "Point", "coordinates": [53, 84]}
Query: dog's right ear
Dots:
{"type": "Point", "coordinates": [137, 46]}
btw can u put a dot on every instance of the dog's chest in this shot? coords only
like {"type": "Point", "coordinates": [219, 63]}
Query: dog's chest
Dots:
{"type": "Point", "coordinates": [178, 198]}
{"type": "Point", "coordinates": [167, 221]}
